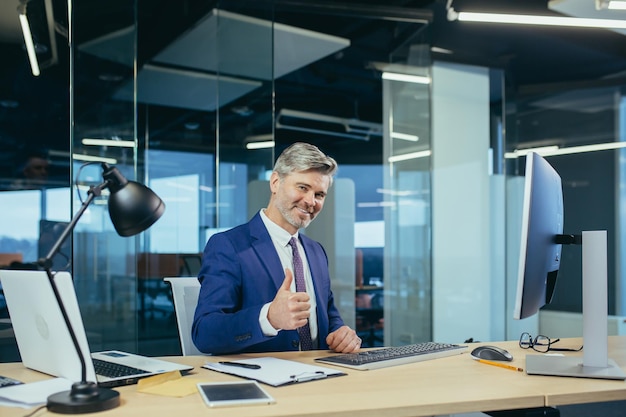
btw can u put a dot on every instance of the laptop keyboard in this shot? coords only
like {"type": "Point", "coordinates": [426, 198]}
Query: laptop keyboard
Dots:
{"type": "Point", "coordinates": [115, 370]}
{"type": "Point", "coordinates": [382, 358]}
{"type": "Point", "coordinates": [5, 381]}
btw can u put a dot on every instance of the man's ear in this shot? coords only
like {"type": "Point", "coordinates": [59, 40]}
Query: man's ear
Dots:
{"type": "Point", "coordinates": [274, 180]}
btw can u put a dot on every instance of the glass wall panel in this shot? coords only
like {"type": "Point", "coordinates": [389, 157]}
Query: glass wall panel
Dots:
{"type": "Point", "coordinates": [34, 119]}
{"type": "Point", "coordinates": [103, 130]}
{"type": "Point", "coordinates": [408, 204]}
{"type": "Point", "coordinates": [203, 92]}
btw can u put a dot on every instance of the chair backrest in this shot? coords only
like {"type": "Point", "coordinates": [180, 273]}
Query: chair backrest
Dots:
{"type": "Point", "coordinates": [185, 291]}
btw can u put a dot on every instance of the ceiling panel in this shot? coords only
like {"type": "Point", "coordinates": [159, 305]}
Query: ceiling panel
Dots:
{"type": "Point", "coordinates": [184, 89]}
{"type": "Point", "coordinates": [240, 45]}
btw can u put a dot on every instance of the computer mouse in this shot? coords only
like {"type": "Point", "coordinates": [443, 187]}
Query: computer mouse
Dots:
{"type": "Point", "coordinates": [492, 353]}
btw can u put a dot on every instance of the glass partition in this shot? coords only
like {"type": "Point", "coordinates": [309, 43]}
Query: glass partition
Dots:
{"type": "Point", "coordinates": [407, 196]}
{"type": "Point", "coordinates": [34, 173]}
{"type": "Point", "coordinates": [102, 64]}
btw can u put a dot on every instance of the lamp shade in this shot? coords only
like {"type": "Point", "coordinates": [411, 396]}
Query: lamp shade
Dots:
{"type": "Point", "coordinates": [133, 207]}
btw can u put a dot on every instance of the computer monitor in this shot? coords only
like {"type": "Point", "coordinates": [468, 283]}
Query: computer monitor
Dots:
{"type": "Point", "coordinates": [542, 221]}
{"type": "Point", "coordinates": [540, 258]}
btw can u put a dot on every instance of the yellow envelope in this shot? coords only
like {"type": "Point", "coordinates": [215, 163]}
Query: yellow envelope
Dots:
{"type": "Point", "coordinates": [169, 384]}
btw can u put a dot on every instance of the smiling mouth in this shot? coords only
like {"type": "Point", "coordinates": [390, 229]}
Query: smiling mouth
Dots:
{"type": "Point", "coordinates": [303, 211]}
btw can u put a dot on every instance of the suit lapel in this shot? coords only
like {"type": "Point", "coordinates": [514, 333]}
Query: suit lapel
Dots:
{"type": "Point", "coordinates": [265, 250]}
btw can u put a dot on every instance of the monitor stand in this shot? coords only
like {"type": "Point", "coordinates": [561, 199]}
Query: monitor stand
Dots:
{"type": "Point", "coordinates": [595, 362]}
{"type": "Point", "coordinates": [571, 366]}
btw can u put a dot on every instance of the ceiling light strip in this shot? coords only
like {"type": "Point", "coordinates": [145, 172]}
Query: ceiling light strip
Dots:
{"type": "Point", "coordinates": [552, 151]}
{"type": "Point", "coordinates": [30, 45]}
{"type": "Point", "coordinates": [417, 79]}
{"type": "Point", "coordinates": [541, 20]}
{"type": "Point", "coordinates": [404, 136]}
{"type": "Point", "coordinates": [407, 156]}
{"type": "Point", "coordinates": [91, 158]}
{"type": "Point", "coordinates": [109, 142]}
{"type": "Point", "coordinates": [617, 5]}
{"type": "Point", "coordinates": [260, 145]}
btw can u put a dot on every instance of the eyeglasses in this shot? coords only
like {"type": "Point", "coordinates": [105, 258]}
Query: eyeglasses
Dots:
{"type": "Point", "coordinates": [542, 344]}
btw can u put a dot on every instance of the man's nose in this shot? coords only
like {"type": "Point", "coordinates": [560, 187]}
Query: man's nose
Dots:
{"type": "Point", "coordinates": [310, 199]}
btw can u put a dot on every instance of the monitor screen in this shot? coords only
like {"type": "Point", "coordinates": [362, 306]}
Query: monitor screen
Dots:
{"type": "Point", "coordinates": [542, 221]}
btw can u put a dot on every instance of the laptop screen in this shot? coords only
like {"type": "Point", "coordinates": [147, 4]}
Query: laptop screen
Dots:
{"type": "Point", "coordinates": [43, 340]}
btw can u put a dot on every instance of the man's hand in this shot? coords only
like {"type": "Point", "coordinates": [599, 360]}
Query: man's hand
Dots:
{"type": "Point", "coordinates": [289, 310]}
{"type": "Point", "coordinates": [344, 340]}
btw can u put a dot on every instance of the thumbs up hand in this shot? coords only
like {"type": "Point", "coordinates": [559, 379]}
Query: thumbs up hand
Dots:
{"type": "Point", "coordinates": [289, 310]}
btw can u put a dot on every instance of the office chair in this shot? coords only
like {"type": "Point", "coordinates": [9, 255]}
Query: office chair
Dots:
{"type": "Point", "coordinates": [185, 291]}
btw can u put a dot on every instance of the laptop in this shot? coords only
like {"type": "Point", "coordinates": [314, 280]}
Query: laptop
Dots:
{"type": "Point", "coordinates": [44, 342]}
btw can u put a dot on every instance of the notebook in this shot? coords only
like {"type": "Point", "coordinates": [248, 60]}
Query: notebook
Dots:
{"type": "Point", "coordinates": [44, 342]}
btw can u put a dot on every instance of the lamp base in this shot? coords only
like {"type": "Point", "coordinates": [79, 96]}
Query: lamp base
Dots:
{"type": "Point", "coordinates": [84, 397]}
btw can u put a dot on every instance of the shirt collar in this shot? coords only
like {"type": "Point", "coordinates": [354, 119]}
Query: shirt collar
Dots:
{"type": "Point", "coordinates": [277, 233]}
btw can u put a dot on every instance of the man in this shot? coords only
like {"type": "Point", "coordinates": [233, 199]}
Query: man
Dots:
{"type": "Point", "coordinates": [248, 300]}
{"type": "Point", "coordinates": [34, 173]}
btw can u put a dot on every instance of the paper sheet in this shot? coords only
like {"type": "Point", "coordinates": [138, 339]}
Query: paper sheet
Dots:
{"type": "Point", "coordinates": [33, 393]}
{"type": "Point", "coordinates": [276, 372]}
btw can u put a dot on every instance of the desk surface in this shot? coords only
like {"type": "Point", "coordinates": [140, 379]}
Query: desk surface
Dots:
{"type": "Point", "coordinates": [449, 385]}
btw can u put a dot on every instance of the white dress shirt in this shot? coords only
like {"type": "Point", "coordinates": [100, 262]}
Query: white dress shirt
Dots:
{"type": "Point", "coordinates": [280, 237]}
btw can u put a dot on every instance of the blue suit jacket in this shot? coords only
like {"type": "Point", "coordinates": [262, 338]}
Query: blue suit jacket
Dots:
{"type": "Point", "coordinates": [241, 272]}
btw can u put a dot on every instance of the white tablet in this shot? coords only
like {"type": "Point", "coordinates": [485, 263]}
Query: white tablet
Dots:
{"type": "Point", "coordinates": [221, 394]}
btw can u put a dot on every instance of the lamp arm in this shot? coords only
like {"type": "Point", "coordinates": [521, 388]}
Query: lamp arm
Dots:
{"type": "Point", "coordinates": [92, 194]}
{"type": "Point", "coordinates": [46, 264]}
{"type": "Point", "coordinates": [68, 324]}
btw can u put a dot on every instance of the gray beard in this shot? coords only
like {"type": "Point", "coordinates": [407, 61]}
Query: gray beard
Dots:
{"type": "Point", "coordinates": [297, 223]}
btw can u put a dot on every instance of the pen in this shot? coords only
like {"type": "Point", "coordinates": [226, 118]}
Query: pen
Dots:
{"type": "Point", "coordinates": [242, 365]}
{"type": "Point", "coordinates": [501, 365]}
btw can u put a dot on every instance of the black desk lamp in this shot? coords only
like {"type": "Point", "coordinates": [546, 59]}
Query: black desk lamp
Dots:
{"type": "Point", "coordinates": [133, 208]}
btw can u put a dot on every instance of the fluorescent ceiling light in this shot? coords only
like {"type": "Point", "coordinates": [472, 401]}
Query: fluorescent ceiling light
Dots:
{"type": "Point", "coordinates": [617, 5]}
{"type": "Point", "coordinates": [398, 193]}
{"type": "Point", "coordinates": [542, 150]}
{"type": "Point", "coordinates": [540, 20]}
{"type": "Point", "coordinates": [376, 204]}
{"type": "Point", "coordinates": [610, 5]}
{"type": "Point", "coordinates": [260, 141]}
{"type": "Point", "coordinates": [109, 142]}
{"type": "Point", "coordinates": [90, 158]}
{"type": "Point", "coordinates": [555, 150]}
{"type": "Point", "coordinates": [438, 50]}
{"type": "Point", "coordinates": [417, 79]}
{"type": "Point", "coordinates": [404, 136]}
{"type": "Point", "coordinates": [28, 40]}
{"type": "Point", "coordinates": [407, 156]}
{"type": "Point", "coordinates": [260, 145]}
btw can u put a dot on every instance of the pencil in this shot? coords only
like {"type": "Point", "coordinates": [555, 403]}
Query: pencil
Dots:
{"type": "Point", "coordinates": [501, 365]}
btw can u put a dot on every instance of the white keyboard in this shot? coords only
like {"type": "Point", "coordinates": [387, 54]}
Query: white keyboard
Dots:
{"type": "Point", "coordinates": [392, 356]}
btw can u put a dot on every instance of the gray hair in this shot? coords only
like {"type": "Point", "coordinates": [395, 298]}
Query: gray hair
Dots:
{"type": "Point", "coordinates": [300, 157]}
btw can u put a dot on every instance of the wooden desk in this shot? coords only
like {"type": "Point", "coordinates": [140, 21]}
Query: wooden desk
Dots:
{"type": "Point", "coordinates": [564, 391]}
{"type": "Point", "coordinates": [444, 386]}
